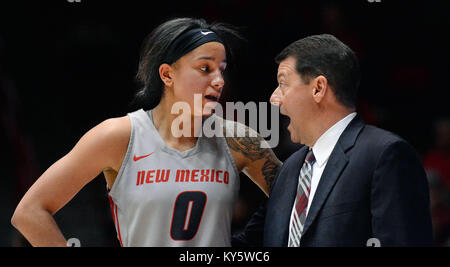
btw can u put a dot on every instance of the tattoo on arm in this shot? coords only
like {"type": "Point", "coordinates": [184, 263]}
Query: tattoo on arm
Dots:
{"type": "Point", "coordinates": [269, 171]}
{"type": "Point", "coordinates": [251, 148]}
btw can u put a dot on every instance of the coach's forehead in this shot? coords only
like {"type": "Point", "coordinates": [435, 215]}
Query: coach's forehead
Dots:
{"type": "Point", "coordinates": [287, 67]}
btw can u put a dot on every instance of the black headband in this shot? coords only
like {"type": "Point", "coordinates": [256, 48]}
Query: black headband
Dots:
{"type": "Point", "coordinates": [187, 42]}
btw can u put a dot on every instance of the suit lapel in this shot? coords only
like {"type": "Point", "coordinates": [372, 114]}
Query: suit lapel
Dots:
{"type": "Point", "coordinates": [335, 165]}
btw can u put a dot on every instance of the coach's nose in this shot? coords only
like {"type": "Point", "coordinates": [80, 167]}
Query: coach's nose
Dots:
{"type": "Point", "coordinates": [275, 98]}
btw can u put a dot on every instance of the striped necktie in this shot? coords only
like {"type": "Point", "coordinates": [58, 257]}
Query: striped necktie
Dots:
{"type": "Point", "coordinates": [298, 216]}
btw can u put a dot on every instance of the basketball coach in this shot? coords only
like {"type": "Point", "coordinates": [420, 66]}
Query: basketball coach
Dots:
{"type": "Point", "coordinates": [351, 184]}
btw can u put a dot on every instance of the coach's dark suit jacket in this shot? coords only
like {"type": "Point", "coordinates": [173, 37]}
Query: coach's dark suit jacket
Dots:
{"type": "Point", "coordinates": [373, 186]}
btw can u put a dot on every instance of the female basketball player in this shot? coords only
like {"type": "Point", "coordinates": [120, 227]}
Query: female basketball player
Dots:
{"type": "Point", "coordinates": [164, 190]}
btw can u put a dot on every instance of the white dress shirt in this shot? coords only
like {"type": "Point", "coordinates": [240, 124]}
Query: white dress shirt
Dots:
{"type": "Point", "coordinates": [322, 150]}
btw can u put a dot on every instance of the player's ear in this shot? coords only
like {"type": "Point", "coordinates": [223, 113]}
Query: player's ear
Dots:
{"type": "Point", "coordinates": [319, 88]}
{"type": "Point", "coordinates": [166, 74]}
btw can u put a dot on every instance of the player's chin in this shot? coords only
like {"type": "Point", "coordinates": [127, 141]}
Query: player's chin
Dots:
{"type": "Point", "coordinates": [209, 107]}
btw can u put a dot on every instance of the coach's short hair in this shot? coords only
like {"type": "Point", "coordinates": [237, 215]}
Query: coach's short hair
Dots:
{"type": "Point", "coordinates": [325, 55]}
{"type": "Point", "coordinates": [155, 46]}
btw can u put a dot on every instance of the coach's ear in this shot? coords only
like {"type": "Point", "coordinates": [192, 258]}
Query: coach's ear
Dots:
{"type": "Point", "coordinates": [166, 74]}
{"type": "Point", "coordinates": [319, 88]}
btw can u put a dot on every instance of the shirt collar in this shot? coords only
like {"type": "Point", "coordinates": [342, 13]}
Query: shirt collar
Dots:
{"type": "Point", "coordinates": [325, 144]}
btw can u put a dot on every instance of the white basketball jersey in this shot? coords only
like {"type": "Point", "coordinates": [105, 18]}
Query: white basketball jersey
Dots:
{"type": "Point", "coordinates": [165, 197]}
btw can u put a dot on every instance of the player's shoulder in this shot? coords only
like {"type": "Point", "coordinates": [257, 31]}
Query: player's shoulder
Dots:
{"type": "Point", "coordinates": [236, 129]}
{"type": "Point", "coordinates": [113, 130]}
{"type": "Point", "coordinates": [105, 143]}
{"type": "Point", "coordinates": [117, 126]}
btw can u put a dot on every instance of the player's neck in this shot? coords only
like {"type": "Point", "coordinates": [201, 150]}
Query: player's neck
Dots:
{"type": "Point", "coordinates": [171, 126]}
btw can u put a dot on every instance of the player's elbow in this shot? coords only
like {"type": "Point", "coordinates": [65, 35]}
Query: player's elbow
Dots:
{"type": "Point", "coordinates": [18, 216]}
{"type": "Point", "coordinates": [23, 214]}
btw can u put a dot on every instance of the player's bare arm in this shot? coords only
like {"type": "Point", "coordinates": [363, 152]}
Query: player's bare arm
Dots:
{"type": "Point", "coordinates": [252, 155]}
{"type": "Point", "coordinates": [102, 148]}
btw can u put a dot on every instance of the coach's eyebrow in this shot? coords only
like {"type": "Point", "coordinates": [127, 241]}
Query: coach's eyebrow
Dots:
{"type": "Point", "coordinates": [280, 75]}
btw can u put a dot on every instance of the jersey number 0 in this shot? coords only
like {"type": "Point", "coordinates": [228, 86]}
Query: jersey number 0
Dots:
{"type": "Point", "coordinates": [187, 215]}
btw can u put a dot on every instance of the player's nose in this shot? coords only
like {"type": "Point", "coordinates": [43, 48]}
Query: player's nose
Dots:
{"type": "Point", "coordinates": [218, 82]}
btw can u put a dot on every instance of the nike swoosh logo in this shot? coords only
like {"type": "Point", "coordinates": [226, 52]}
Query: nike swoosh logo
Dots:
{"type": "Point", "coordinates": [141, 157]}
{"type": "Point", "coordinates": [205, 33]}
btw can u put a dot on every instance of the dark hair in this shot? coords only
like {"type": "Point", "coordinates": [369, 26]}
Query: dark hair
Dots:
{"type": "Point", "coordinates": [325, 55]}
{"type": "Point", "coordinates": [155, 46]}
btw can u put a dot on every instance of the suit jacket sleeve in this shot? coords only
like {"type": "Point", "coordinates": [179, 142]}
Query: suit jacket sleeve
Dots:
{"type": "Point", "coordinates": [400, 204]}
{"type": "Point", "coordinates": [253, 233]}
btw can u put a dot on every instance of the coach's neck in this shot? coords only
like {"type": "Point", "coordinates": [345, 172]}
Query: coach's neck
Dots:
{"type": "Point", "coordinates": [326, 114]}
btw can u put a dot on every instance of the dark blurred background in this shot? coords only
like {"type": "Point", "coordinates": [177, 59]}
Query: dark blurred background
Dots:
{"type": "Point", "coordinates": [65, 67]}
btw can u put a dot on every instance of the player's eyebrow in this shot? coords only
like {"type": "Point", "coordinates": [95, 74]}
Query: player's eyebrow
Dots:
{"type": "Point", "coordinates": [206, 57]}
{"type": "Point", "coordinates": [209, 58]}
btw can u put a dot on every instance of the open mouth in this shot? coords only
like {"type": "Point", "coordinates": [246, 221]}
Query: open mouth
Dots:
{"type": "Point", "coordinates": [212, 98]}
